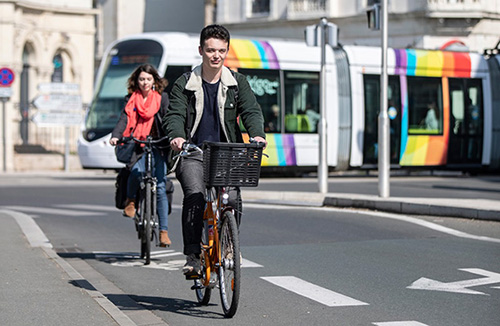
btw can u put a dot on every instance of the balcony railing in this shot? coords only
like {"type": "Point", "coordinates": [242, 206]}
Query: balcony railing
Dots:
{"type": "Point", "coordinates": [301, 6]}
{"type": "Point", "coordinates": [456, 5]}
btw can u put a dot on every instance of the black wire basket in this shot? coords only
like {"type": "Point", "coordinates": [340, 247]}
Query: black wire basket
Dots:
{"type": "Point", "coordinates": [231, 164]}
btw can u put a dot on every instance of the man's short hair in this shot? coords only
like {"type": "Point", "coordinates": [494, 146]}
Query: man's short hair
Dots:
{"type": "Point", "coordinates": [214, 31]}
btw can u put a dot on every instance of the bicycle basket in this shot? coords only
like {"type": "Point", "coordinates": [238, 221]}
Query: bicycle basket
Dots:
{"type": "Point", "coordinates": [231, 164]}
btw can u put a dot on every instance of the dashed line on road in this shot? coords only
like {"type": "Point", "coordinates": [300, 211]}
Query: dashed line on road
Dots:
{"type": "Point", "coordinates": [400, 323]}
{"type": "Point", "coordinates": [314, 292]}
{"type": "Point", "coordinates": [47, 210]}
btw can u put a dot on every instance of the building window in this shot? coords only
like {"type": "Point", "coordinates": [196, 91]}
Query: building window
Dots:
{"type": "Point", "coordinates": [57, 75]}
{"type": "Point", "coordinates": [259, 7]}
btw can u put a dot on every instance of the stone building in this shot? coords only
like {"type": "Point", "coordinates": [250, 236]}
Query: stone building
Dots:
{"type": "Point", "coordinates": [428, 24]}
{"type": "Point", "coordinates": [43, 41]}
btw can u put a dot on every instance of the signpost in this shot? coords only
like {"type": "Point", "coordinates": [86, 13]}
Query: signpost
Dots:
{"type": "Point", "coordinates": [320, 35]}
{"type": "Point", "coordinates": [59, 104]}
{"type": "Point", "coordinates": [7, 77]}
{"type": "Point", "coordinates": [377, 19]}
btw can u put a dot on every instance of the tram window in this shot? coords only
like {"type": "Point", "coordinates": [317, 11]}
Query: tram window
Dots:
{"type": "Point", "coordinates": [112, 88]}
{"type": "Point", "coordinates": [172, 73]}
{"type": "Point", "coordinates": [425, 106]}
{"type": "Point", "coordinates": [265, 84]}
{"type": "Point", "coordinates": [301, 101]}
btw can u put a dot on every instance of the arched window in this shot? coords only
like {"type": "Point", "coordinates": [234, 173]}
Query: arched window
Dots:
{"type": "Point", "coordinates": [57, 75]}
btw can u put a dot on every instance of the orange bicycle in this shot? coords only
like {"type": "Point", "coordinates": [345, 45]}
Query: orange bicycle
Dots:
{"type": "Point", "coordinates": [226, 165]}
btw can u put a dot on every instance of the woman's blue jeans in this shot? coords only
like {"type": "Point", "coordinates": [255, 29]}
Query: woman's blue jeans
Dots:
{"type": "Point", "coordinates": [159, 171]}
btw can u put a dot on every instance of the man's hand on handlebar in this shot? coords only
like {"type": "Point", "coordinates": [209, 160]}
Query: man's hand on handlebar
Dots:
{"type": "Point", "coordinates": [176, 144]}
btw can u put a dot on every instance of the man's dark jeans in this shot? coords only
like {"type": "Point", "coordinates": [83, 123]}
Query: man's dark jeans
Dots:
{"type": "Point", "coordinates": [189, 172]}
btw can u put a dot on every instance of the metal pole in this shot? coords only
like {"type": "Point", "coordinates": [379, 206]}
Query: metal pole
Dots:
{"type": "Point", "coordinates": [66, 149]}
{"type": "Point", "coordinates": [383, 118]}
{"type": "Point", "coordinates": [4, 134]}
{"type": "Point", "coordinates": [323, 166]}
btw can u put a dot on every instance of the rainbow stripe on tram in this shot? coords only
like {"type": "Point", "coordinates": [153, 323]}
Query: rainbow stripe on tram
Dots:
{"type": "Point", "coordinates": [251, 54]}
{"type": "Point", "coordinates": [419, 150]}
{"type": "Point", "coordinates": [280, 149]}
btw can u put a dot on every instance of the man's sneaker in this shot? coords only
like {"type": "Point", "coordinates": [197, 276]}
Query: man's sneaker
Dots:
{"type": "Point", "coordinates": [192, 266]}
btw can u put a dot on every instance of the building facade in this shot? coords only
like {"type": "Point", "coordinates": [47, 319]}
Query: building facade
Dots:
{"type": "Point", "coordinates": [43, 41]}
{"type": "Point", "coordinates": [46, 41]}
{"type": "Point", "coordinates": [428, 24]}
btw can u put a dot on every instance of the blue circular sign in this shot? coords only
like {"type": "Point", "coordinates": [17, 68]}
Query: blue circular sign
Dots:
{"type": "Point", "coordinates": [6, 77]}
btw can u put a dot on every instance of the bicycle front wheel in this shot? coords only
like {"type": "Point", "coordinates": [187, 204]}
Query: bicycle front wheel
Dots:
{"type": "Point", "coordinates": [230, 268]}
{"type": "Point", "coordinates": [203, 293]}
{"type": "Point", "coordinates": [146, 227]}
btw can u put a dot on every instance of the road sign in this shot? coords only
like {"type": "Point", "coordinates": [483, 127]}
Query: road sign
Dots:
{"type": "Point", "coordinates": [6, 77]}
{"type": "Point", "coordinates": [64, 88]}
{"type": "Point", "coordinates": [52, 118]}
{"type": "Point", "coordinates": [5, 92]}
{"type": "Point", "coordinates": [61, 102]}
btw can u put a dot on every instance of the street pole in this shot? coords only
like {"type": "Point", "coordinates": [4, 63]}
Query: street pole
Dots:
{"type": "Point", "coordinates": [66, 149]}
{"type": "Point", "coordinates": [4, 134]}
{"type": "Point", "coordinates": [383, 118]}
{"type": "Point", "coordinates": [323, 166]}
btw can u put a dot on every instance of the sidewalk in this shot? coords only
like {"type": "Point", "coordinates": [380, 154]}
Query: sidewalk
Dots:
{"type": "Point", "coordinates": [37, 290]}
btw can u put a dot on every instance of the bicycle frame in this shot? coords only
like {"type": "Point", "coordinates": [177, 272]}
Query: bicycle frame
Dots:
{"type": "Point", "coordinates": [212, 217]}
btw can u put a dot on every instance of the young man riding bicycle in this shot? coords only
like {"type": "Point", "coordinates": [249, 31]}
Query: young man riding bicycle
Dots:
{"type": "Point", "coordinates": [204, 106]}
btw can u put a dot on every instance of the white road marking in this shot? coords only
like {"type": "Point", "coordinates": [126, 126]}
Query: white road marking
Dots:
{"type": "Point", "coordinates": [172, 265]}
{"type": "Point", "coordinates": [404, 218]}
{"type": "Point", "coordinates": [249, 264]}
{"type": "Point", "coordinates": [31, 230]}
{"type": "Point", "coordinates": [313, 292]}
{"type": "Point", "coordinates": [460, 286]}
{"type": "Point", "coordinates": [47, 210]}
{"type": "Point", "coordinates": [134, 255]}
{"type": "Point", "coordinates": [400, 323]}
{"type": "Point", "coordinates": [89, 207]}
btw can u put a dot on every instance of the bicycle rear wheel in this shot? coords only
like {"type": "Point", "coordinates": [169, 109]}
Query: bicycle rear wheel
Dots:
{"type": "Point", "coordinates": [230, 269]}
{"type": "Point", "coordinates": [203, 293]}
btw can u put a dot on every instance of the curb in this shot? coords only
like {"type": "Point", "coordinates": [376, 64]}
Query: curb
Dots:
{"type": "Point", "coordinates": [402, 207]}
{"type": "Point", "coordinates": [472, 209]}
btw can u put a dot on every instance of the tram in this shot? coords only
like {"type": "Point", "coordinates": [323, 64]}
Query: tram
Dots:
{"type": "Point", "coordinates": [443, 106]}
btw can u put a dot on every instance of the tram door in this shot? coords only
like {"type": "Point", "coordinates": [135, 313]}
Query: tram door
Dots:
{"type": "Point", "coordinates": [466, 121]}
{"type": "Point", "coordinates": [372, 104]}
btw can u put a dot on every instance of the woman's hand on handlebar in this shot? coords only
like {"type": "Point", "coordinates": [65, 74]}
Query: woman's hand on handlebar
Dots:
{"type": "Point", "coordinates": [176, 144]}
{"type": "Point", "coordinates": [259, 139]}
{"type": "Point", "coordinates": [113, 141]}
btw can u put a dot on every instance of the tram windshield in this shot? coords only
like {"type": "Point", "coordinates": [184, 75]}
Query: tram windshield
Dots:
{"type": "Point", "coordinates": [111, 89]}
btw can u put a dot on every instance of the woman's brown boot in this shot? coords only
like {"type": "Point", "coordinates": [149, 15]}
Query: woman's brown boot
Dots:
{"type": "Point", "coordinates": [129, 209]}
{"type": "Point", "coordinates": [164, 239]}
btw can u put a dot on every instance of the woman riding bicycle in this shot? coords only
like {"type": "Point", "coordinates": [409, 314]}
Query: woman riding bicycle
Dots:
{"type": "Point", "coordinates": [145, 106]}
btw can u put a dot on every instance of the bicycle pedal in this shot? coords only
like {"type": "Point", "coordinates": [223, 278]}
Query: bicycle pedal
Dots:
{"type": "Point", "coordinates": [192, 276]}
{"type": "Point", "coordinates": [197, 287]}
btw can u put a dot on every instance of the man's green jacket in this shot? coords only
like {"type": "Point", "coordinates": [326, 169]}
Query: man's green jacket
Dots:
{"type": "Point", "coordinates": [188, 93]}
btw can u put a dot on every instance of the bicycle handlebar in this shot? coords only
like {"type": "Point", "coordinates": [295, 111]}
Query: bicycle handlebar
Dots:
{"type": "Point", "coordinates": [148, 140]}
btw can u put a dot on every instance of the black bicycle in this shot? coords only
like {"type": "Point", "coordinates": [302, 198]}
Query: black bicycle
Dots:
{"type": "Point", "coordinates": [146, 216]}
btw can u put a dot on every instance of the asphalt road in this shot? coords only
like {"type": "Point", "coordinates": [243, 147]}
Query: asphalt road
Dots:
{"type": "Point", "coordinates": [302, 265]}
